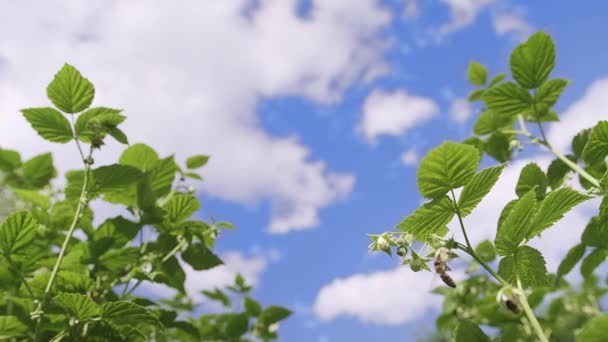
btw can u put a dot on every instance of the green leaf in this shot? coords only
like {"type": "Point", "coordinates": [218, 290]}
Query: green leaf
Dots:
{"type": "Point", "coordinates": [574, 255]}
{"type": "Point", "coordinates": [507, 99]}
{"type": "Point", "coordinates": [86, 122]}
{"type": "Point", "coordinates": [140, 156]}
{"type": "Point", "coordinates": [594, 330]}
{"type": "Point", "coordinates": [593, 260]}
{"type": "Point", "coordinates": [515, 228]}
{"type": "Point", "coordinates": [119, 135]}
{"type": "Point", "coordinates": [77, 305]}
{"type": "Point", "coordinates": [485, 250]}
{"type": "Point", "coordinates": [466, 331]}
{"type": "Point", "coordinates": [479, 186]}
{"type": "Point", "coordinates": [9, 160]}
{"type": "Point", "coordinates": [497, 79]}
{"type": "Point", "coordinates": [33, 197]}
{"type": "Point", "coordinates": [596, 148]}
{"type": "Point", "coordinates": [553, 207]}
{"type": "Point", "coordinates": [181, 206]}
{"type": "Point", "coordinates": [596, 233]}
{"type": "Point", "coordinates": [252, 307]}
{"type": "Point", "coordinates": [49, 124]}
{"type": "Point", "coordinates": [274, 314]}
{"type": "Point", "coordinates": [531, 177]}
{"type": "Point", "coordinates": [527, 263]}
{"type": "Point", "coordinates": [237, 325]}
{"type": "Point", "coordinates": [218, 296]}
{"type": "Point", "coordinates": [197, 161]}
{"type": "Point", "coordinates": [579, 141]}
{"type": "Point", "coordinates": [490, 122]}
{"type": "Point", "coordinates": [11, 326]}
{"type": "Point", "coordinates": [69, 91]}
{"type": "Point", "coordinates": [477, 73]}
{"type": "Point", "coordinates": [123, 314]}
{"type": "Point", "coordinates": [447, 167]}
{"type": "Point", "coordinates": [549, 92]}
{"type": "Point", "coordinates": [497, 146]}
{"type": "Point", "coordinates": [428, 219]}
{"type": "Point", "coordinates": [532, 62]}
{"type": "Point", "coordinates": [39, 170]}
{"type": "Point", "coordinates": [200, 257]}
{"type": "Point", "coordinates": [506, 210]}
{"type": "Point", "coordinates": [162, 176]}
{"type": "Point", "coordinates": [17, 231]}
{"type": "Point", "coordinates": [557, 171]}
{"type": "Point", "coordinates": [475, 95]}
{"type": "Point", "coordinates": [117, 260]}
{"type": "Point", "coordinates": [117, 183]}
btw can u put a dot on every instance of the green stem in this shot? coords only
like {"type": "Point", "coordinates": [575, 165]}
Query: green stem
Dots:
{"type": "Point", "coordinates": [524, 131]}
{"type": "Point", "coordinates": [530, 314]}
{"type": "Point", "coordinates": [469, 248]}
{"type": "Point", "coordinates": [79, 209]}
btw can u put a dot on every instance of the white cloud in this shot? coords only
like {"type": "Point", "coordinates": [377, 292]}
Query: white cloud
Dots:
{"type": "Point", "coordinates": [409, 157]}
{"type": "Point", "coordinates": [460, 110]}
{"type": "Point", "coordinates": [462, 14]}
{"type": "Point", "coordinates": [512, 23]}
{"type": "Point", "coordinates": [388, 297]}
{"type": "Point", "coordinates": [584, 113]}
{"type": "Point", "coordinates": [189, 76]}
{"type": "Point", "coordinates": [393, 113]}
{"type": "Point", "coordinates": [411, 8]}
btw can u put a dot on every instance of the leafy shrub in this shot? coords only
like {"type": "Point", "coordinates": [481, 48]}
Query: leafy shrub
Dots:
{"type": "Point", "coordinates": [505, 298]}
{"type": "Point", "coordinates": [55, 286]}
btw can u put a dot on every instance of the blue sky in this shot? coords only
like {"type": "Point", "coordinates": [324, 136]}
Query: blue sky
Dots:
{"type": "Point", "coordinates": [288, 99]}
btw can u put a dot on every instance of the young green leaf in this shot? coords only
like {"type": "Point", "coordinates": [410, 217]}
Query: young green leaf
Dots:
{"type": "Point", "coordinates": [237, 325]}
{"type": "Point", "coordinates": [9, 160]}
{"type": "Point", "coordinates": [428, 219]}
{"type": "Point", "coordinates": [69, 91]}
{"type": "Point", "coordinates": [33, 197]}
{"type": "Point", "coordinates": [479, 186]}
{"type": "Point", "coordinates": [553, 207]}
{"type": "Point", "coordinates": [49, 124]}
{"type": "Point", "coordinates": [180, 207]}
{"type": "Point", "coordinates": [596, 148]}
{"type": "Point", "coordinates": [17, 231]}
{"type": "Point", "coordinates": [507, 99]}
{"type": "Point", "coordinates": [498, 147]}
{"type": "Point", "coordinates": [579, 141]}
{"type": "Point", "coordinates": [447, 167]}
{"type": "Point", "coordinates": [162, 176]}
{"type": "Point", "coordinates": [596, 233]}
{"type": "Point", "coordinates": [200, 257]}
{"type": "Point", "coordinates": [593, 260]}
{"type": "Point", "coordinates": [252, 307]}
{"type": "Point", "coordinates": [466, 331]}
{"type": "Point", "coordinates": [197, 161]}
{"type": "Point", "coordinates": [123, 314]}
{"type": "Point", "coordinates": [497, 79]}
{"type": "Point", "coordinates": [274, 314]}
{"type": "Point", "coordinates": [528, 264]}
{"type": "Point", "coordinates": [574, 255]}
{"type": "Point", "coordinates": [532, 62]}
{"type": "Point", "coordinates": [516, 226]}
{"type": "Point", "coordinates": [11, 326]}
{"type": "Point", "coordinates": [594, 330]}
{"type": "Point", "coordinates": [77, 305]}
{"type": "Point", "coordinates": [93, 119]}
{"type": "Point", "coordinates": [477, 73]}
{"type": "Point", "coordinates": [117, 183]}
{"type": "Point", "coordinates": [218, 296]}
{"type": "Point", "coordinates": [485, 250]}
{"type": "Point", "coordinates": [549, 92]}
{"type": "Point", "coordinates": [557, 171]}
{"type": "Point", "coordinates": [475, 95]}
{"type": "Point", "coordinates": [531, 177]}
{"type": "Point", "coordinates": [140, 156]}
{"type": "Point", "coordinates": [39, 170]}
{"type": "Point", "coordinates": [490, 122]}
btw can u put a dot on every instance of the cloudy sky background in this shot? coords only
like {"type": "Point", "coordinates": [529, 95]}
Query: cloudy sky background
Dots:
{"type": "Point", "coordinates": [316, 114]}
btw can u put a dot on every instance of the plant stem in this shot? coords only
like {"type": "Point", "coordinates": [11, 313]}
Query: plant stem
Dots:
{"type": "Point", "coordinates": [524, 131]}
{"type": "Point", "coordinates": [79, 209]}
{"type": "Point", "coordinates": [530, 313]}
{"type": "Point", "coordinates": [469, 248]}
